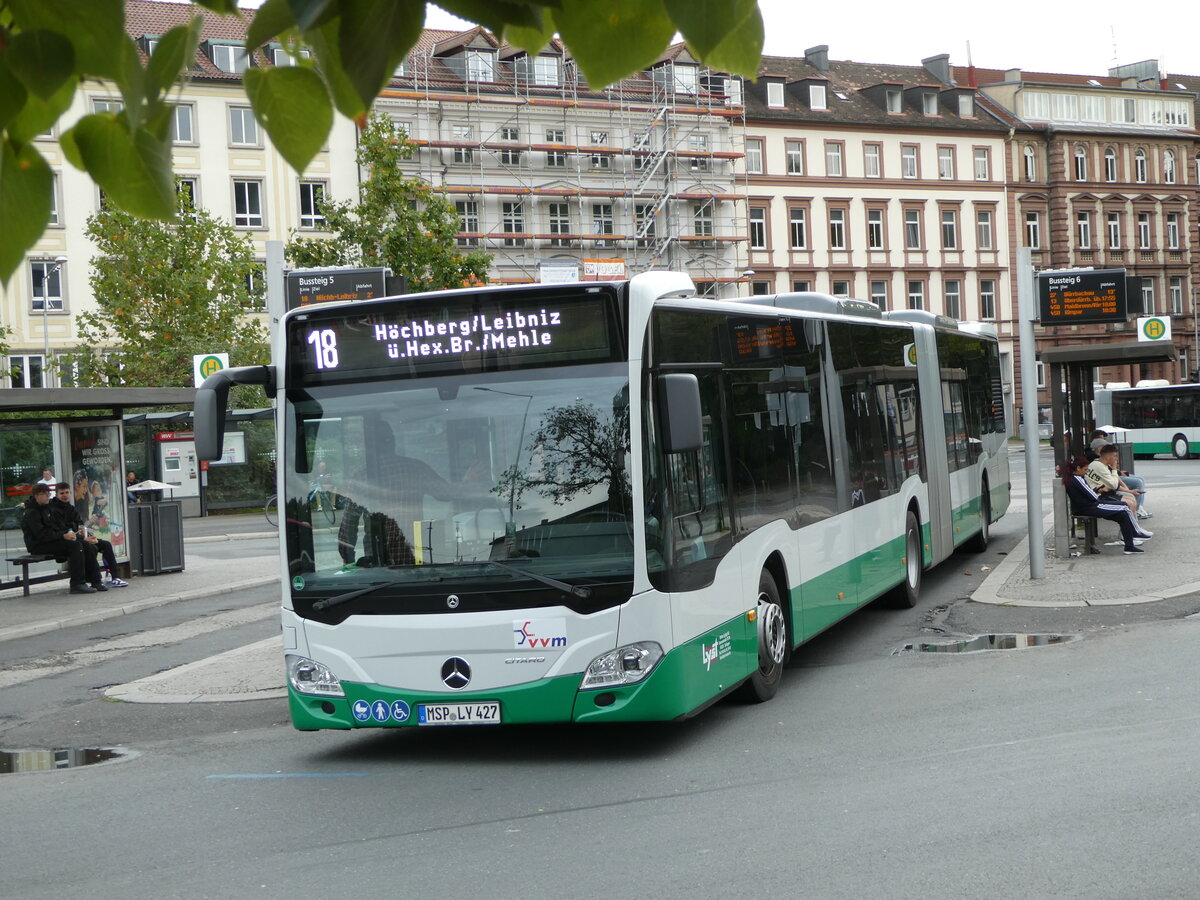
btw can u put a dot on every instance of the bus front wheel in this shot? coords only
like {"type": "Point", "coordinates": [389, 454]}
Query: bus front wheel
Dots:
{"type": "Point", "coordinates": [905, 594]}
{"type": "Point", "coordinates": [1179, 447]}
{"type": "Point", "coordinates": [772, 643]}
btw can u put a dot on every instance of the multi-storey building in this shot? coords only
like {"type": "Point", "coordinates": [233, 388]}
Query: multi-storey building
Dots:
{"type": "Point", "coordinates": [1101, 173]}
{"type": "Point", "coordinates": [550, 175]}
{"type": "Point", "coordinates": [880, 182]}
{"type": "Point", "coordinates": [222, 156]}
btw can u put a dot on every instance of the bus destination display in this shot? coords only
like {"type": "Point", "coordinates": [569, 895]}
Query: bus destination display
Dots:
{"type": "Point", "coordinates": [1082, 297]}
{"type": "Point", "coordinates": [461, 333]}
{"type": "Point", "coordinates": [761, 338]}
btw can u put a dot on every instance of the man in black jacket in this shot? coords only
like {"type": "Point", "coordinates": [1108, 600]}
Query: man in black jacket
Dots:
{"type": "Point", "coordinates": [68, 518]}
{"type": "Point", "coordinates": [45, 534]}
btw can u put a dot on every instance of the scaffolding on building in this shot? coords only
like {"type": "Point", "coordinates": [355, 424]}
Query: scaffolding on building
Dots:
{"type": "Point", "coordinates": [642, 171]}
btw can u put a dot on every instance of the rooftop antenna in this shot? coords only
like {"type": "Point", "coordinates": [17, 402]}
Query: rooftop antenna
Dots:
{"type": "Point", "coordinates": [1113, 30]}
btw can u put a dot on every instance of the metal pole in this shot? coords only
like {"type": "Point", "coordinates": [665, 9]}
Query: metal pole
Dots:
{"type": "Point", "coordinates": [1195, 361]}
{"type": "Point", "coordinates": [58, 263]}
{"type": "Point", "coordinates": [1033, 467]}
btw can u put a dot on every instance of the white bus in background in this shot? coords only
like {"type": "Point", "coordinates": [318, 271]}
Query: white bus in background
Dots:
{"type": "Point", "coordinates": [1157, 418]}
{"type": "Point", "coordinates": [615, 501]}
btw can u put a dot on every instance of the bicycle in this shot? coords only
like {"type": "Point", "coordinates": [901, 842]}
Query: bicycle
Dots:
{"type": "Point", "coordinates": [322, 500]}
{"type": "Point", "coordinates": [271, 509]}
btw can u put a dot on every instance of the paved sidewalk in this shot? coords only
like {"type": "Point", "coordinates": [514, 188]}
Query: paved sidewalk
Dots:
{"type": "Point", "coordinates": [1170, 567]}
{"type": "Point", "coordinates": [51, 606]}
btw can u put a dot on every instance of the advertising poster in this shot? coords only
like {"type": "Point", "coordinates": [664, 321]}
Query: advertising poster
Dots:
{"type": "Point", "coordinates": [97, 484]}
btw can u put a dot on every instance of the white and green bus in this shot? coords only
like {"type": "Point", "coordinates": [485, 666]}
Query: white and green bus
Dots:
{"type": "Point", "coordinates": [606, 502]}
{"type": "Point", "coordinates": [1161, 419]}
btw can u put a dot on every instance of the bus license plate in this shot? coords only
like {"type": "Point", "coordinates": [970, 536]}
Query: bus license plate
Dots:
{"type": "Point", "coordinates": [487, 713]}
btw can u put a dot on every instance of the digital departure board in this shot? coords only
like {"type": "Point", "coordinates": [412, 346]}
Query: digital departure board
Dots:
{"type": "Point", "coordinates": [763, 338]}
{"type": "Point", "coordinates": [471, 331]}
{"type": "Point", "coordinates": [1082, 297]}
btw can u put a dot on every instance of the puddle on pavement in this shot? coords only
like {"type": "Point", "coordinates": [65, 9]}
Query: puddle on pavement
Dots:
{"type": "Point", "coordinates": [989, 642]}
{"type": "Point", "coordinates": [13, 762]}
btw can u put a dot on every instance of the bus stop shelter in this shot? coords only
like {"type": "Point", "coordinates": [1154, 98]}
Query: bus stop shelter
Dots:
{"type": "Point", "coordinates": [1069, 381]}
{"type": "Point", "coordinates": [85, 448]}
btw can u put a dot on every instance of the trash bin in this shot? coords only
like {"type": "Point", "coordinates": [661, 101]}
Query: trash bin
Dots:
{"type": "Point", "coordinates": [155, 533]}
{"type": "Point", "coordinates": [1125, 458]}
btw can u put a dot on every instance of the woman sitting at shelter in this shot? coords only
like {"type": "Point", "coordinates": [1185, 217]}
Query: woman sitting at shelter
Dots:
{"type": "Point", "coordinates": [1086, 502]}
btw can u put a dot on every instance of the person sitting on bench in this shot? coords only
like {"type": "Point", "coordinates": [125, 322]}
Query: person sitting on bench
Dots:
{"type": "Point", "coordinates": [1086, 502]}
{"type": "Point", "coordinates": [62, 506]}
{"type": "Point", "coordinates": [43, 535]}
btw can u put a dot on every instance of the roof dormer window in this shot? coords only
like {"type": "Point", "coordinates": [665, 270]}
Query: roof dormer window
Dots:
{"type": "Point", "coordinates": [816, 97]}
{"type": "Point", "coordinates": [775, 94]}
{"type": "Point", "coordinates": [229, 57]}
{"type": "Point", "coordinates": [966, 105]}
{"type": "Point", "coordinates": [481, 65]}
{"type": "Point", "coordinates": [545, 70]}
{"type": "Point", "coordinates": [281, 56]}
{"type": "Point", "coordinates": [929, 104]}
{"type": "Point", "coordinates": [894, 100]}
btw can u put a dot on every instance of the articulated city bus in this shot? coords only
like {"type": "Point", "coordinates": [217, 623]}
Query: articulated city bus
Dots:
{"type": "Point", "coordinates": [606, 502]}
{"type": "Point", "coordinates": [1162, 419]}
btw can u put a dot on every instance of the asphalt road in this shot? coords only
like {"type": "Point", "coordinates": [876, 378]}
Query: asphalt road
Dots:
{"type": "Point", "coordinates": [1064, 771]}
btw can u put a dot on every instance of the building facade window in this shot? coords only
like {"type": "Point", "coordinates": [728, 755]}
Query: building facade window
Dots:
{"type": "Point", "coordinates": [916, 295]}
{"type": "Point", "coordinates": [879, 294]}
{"type": "Point", "coordinates": [954, 298]}
{"type": "Point", "coordinates": [1083, 230]}
{"type": "Point", "coordinates": [1110, 164]}
{"type": "Point", "coordinates": [758, 228]}
{"type": "Point", "coordinates": [230, 58]}
{"type": "Point", "coordinates": [949, 229]}
{"type": "Point", "coordinates": [1139, 166]}
{"type": "Point", "coordinates": [945, 158]}
{"type": "Point", "coordinates": [894, 100]}
{"type": "Point", "coordinates": [983, 229]}
{"type": "Point", "coordinates": [833, 159]}
{"type": "Point", "coordinates": [181, 124]}
{"type": "Point", "coordinates": [46, 285]}
{"type": "Point", "coordinates": [698, 143]}
{"type": "Point", "coordinates": [600, 160]}
{"type": "Point", "coordinates": [872, 160]}
{"type": "Point", "coordinates": [1113, 226]}
{"type": "Point", "coordinates": [1148, 297]}
{"type": "Point", "coordinates": [312, 196]}
{"type": "Point", "coordinates": [983, 164]}
{"type": "Point", "coordinates": [1176, 289]}
{"type": "Point", "coordinates": [702, 219]}
{"type": "Point", "coordinates": [512, 222]}
{"type": "Point", "coordinates": [794, 153]}
{"type": "Point", "coordinates": [1143, 225]}
{"type": "Point", "coordinates": [481, 65]}
{"type": "Point", "coordinates": [559, 217]}
{"type": "Point", "coordinates": [468, 221]}
{"type": "Point", "coordinates": [912, 229]}
{"type": "Point", "coordinates": [1030, 163]}
{"type": "Point", "coordinates": [840, 288]}
{"type": "Point", "coordinates": [987, 298]}
{"type": "Point", "coordinates": [1081, 166]}
{"type": "Point", "coordinates": [875, 232]}
{"type": "Point", "coordinates": [1033, 230]}
{"type": "Point", "coordinates": [26, 371]}
{"type": "Point", "coordinates": [754, 156]}
{"type": "Point", "coordinates": [247, 203]}
{"type": "Point", "coordinates": [909, 167]}
{"type": "Point", "coordinates": [602, 222]}
{"type": "Point", "coordinates": [798, 228]}
{"type": "Point", "coordinates": [545, 70]}
{"type": "Point", "coordinates": [243, 129]}
{"type": "Point", "coordinates": [643, 220]}
{"type": "Point", "coordinates": [817, 97]}
{"type": "Point", "coordinates": [837, 229]}
{"type": "Point", "coordinates": [462, 133]}
{"type": "Point", "coordinates": [1172, 231]}
{"type": "Point", "coordinates": [1169, 167]}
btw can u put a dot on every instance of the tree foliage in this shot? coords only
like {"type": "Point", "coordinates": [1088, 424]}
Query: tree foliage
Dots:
{"type": "Point", "coordinates": [398, 222]}
{"type": "Point", "coordinates": [164, 292]}
{"type": "Point", "coordinates": [47, 47]}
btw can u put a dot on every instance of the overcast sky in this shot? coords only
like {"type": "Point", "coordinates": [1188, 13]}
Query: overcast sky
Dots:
{"type": "Point", "coordinates": [1034, 35]}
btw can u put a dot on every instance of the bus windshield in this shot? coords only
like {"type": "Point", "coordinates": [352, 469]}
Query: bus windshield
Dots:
{"type": "Point", "coordinates": [393, 484]}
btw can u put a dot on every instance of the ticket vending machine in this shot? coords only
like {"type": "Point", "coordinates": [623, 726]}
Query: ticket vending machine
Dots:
{"type": "Point", "coordinates": [180, 468]}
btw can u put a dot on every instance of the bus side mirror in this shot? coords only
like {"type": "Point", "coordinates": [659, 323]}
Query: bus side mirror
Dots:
{"type": "Point", "coordinates": [680, 419]}
{"type": "Point", "coordinates": [212, 398]}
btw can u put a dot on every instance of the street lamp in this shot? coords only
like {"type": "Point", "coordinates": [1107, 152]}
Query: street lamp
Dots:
{"type": "Point", "coordinates": [58, 263]}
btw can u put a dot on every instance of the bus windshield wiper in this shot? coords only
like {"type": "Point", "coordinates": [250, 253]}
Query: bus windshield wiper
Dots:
{"type": "Point", "coordinates": [576, 590]}
{"type": "Point", "coordinates": [339, 599]}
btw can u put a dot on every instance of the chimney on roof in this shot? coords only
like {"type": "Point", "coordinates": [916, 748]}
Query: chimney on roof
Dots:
{"type": "Point", "coordinates": [939, 67]}
{"type": "Point", "coordinates": [1012, 74]}
{"type": "Point", "coordinates": [818, 57]}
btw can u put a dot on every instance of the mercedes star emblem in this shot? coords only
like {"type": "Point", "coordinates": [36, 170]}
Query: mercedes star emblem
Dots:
{"type": "Point", "coordinates": [456, 674]}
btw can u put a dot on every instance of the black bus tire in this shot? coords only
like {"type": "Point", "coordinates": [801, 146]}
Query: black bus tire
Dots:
{"type": "Point", "coordinates": [773, 645]}
{"type": "Point", "coordinates": [905, 594]}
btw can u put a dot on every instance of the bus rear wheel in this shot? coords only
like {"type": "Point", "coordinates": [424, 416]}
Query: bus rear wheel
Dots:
{"type": "Point", "coordinates": [1179, 447]}
{"type": "Point", "coordinates": [979, 541]}
{"type": "Point", "coordinates": [772, 643]}
{"type": "Point", "coordinates": [905, 594]}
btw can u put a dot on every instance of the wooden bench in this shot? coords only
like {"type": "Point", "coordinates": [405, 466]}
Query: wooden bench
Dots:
{"type": "Point", "coordinates": [25, 562]}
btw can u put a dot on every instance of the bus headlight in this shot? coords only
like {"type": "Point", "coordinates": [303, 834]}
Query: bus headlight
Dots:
{"type": "Point", "coordinates": [309, 677]}
{"type": "Point", "coordinates": [625, 665]}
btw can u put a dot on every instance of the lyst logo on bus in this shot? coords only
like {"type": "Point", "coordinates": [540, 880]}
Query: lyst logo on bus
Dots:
{"type": "Point", "coordinates": [539, 634]}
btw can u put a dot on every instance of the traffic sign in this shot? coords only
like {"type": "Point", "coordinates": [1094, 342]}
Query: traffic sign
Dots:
{"type": "Point", "coordinates": [1154, 328]}
{"type": "Point", "coordinates": [205, 364]}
